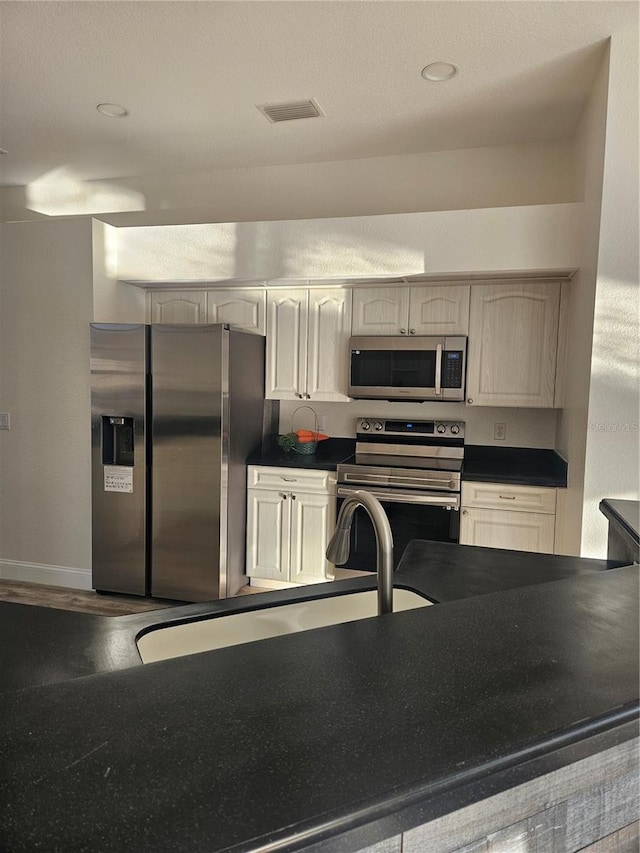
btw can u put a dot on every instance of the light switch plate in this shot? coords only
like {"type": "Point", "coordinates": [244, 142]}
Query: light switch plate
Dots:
{"type": "Point", "coordinates": [5, 420]}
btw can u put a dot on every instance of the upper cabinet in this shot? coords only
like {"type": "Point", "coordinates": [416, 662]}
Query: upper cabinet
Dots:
{"type": "Point", "coordinates": [513, 337]}
{"type": "Point", "coordinates": [242, 309]}
{"type": "Point", "coordinates": [307, 344]}
{"type": "Point", "coordinates": [431, 310]}
{"type": "Point", "coordinates": [183, 306]}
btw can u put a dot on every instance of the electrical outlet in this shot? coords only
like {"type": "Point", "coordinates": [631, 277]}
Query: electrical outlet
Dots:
{"type": "Point", "coordinates": [320, 423]}
{"type": "Point", "coordinates": [5, 420]}
{"type": "Point", "coordinates": [499, 432]}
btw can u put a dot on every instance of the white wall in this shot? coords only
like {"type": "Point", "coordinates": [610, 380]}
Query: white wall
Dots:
{"type": "Point", "coordinates": [572, 421]}
{"type": "Point", "coordinates": [113, 301]}
{"type": "Point", "coordinates": [46, 285]}
{"type": "Point", "coordinates": [525, 427]}
{"type": "Point", "coordinates": [438, 243]}
{"type": "Point", "coordinates": [612, 466]}
{"type": "Point", "coordinates": [500, 176]}
{"type": "Point", "coordinates": [598, 430]}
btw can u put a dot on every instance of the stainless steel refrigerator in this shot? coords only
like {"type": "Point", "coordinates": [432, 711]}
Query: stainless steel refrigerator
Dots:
{"type": "Point", "coordinates": [175, 411]}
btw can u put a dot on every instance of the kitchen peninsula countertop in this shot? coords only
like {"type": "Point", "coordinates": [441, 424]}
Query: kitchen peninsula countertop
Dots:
{"type": "Point", "coordinates": [330, 737]}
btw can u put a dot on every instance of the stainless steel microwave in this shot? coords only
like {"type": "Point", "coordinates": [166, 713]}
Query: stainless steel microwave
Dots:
{"type": "Point", "coordinates": [421, 368]}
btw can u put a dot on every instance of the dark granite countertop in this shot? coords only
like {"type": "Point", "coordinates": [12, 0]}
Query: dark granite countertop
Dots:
{"type": "Point", "coordinates": [516, 465]}
{"type": "Point", "coordinates": [360, 729]}
{"type": "Point", "coordinates": [527, 466]}
{"type": "Point", "coordinates": [625, 514]}
{"type": "Point", "coordinates": [328, 455]}
{"type": "Point", "coordinates": [449, 572]}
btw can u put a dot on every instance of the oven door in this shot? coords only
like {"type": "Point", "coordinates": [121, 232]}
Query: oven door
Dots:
{"type": "Point", "coordinates": [411, 514]}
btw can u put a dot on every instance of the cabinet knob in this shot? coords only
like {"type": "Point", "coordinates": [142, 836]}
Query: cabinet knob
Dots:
{"type": "Point", "coordinates": [283, 496]}
{"type": "Point", "coordinates": [412, 331]}
{"type": "Point", "coordinates": [465, 512]}
{"type": "Point", "coordinates": [300, 396]}
{"type": "Point", "coordinates": [293, 497]}
{"type": "Point", "coordinates": [308, 396]}
{"type": "Point", "coordinates": [403, 331]}
{"type": "Point", "coordinates": [469, 399]}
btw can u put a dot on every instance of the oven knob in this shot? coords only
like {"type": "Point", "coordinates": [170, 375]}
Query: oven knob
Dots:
{"type": "Point", "coordinates": [441, 428]}
{"type": "Point", "coordinates": [365, 425]}
{"type": "Point", "coordinates": [455, 429]}
{"type": "Point", "coordinates": [377, 425]}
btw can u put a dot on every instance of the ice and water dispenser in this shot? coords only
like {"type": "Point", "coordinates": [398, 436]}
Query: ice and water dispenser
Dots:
{"type": "Point", "coordinates": [117, 440]}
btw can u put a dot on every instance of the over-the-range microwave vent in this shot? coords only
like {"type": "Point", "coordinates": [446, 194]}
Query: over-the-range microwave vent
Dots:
{"type": "Point", "coordinates": [291, 110]}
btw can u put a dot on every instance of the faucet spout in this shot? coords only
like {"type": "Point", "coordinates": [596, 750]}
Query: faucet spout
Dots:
{"type": "Point", "coordinates": [338, 549]}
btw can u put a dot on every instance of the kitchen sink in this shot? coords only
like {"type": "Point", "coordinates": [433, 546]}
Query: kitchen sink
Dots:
{"type": "Point", "coordinates": [220, 631]}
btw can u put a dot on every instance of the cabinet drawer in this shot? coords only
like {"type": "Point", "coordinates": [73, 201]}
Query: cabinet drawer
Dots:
{"type": "Point", "coordinates": [291, 479]}
{"type": "Point", "coordinates": [496, 496]}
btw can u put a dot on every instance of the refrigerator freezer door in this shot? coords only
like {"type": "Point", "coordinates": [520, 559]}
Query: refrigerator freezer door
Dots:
{"type": "Point", "coordinates": [119, 366]}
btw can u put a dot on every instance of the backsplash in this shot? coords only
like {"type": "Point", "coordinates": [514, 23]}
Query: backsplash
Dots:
{"type": "Point", "coordinates": [524, 427]}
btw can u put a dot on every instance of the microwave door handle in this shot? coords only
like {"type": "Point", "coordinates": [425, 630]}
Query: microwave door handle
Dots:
{"type": "Point", "coordinates": [438, 369]}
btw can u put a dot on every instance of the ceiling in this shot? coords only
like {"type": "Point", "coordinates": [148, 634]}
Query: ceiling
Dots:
{"type": "Point", "coordinates": [192, 73]}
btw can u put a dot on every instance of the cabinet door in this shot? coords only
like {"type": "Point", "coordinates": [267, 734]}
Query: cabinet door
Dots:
{"type": "Point", "coordinates": [243, 309]}
{"type": "Point", "coordinates": [268, 531]}
{"type": "Point", "coordinates": [513, 332]}
{"type": "Point", "coordinates": [380, 311]}
{"type": "Point", "coordinates": [328, 330]}
{"type": "Point", "coordinates": [517, 531]}
{"type": "Point", "coordinates": [286, 367]}
{"type": "Point", "coordinates": [439, 310]}
{"type": "Point", "coordinates": [312, 523]}
{"type": "Point", "coordinates": [188, 306]}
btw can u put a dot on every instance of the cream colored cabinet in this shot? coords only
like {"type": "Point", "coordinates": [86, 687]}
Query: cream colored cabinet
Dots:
{"type": "Point", "coordinates": [242, 309]}
{"type": "Point", "coordinates": [428, 310]}
{"type": "Point", "coordinates": [307, 344]}
{"type": "Point", "coordinates": [519, 518]}
{"type": "Point", "coordinates": [290, 519]}
{"type": "Point", "coordinates": [182, 306]}
{"type": "Point", "coordinates": [513, 337]}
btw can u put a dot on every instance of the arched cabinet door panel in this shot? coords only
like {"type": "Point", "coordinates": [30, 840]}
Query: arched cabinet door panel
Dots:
{"type": "Point", "coordinates": [241, 309]}
{"type": "Point", "coordinates": [513, 338]}
{"type": "Point", "coordinates": [380, 311]}
{"type": "Point", "coordinates": [185, 306]}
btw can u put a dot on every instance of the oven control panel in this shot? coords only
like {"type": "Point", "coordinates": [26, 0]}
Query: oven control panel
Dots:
{"type": "Point", "coordinates": [440, 429]}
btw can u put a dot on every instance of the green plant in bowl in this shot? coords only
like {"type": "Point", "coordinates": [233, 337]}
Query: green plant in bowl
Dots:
{"type": "Point", "coordinates": [287, 441]}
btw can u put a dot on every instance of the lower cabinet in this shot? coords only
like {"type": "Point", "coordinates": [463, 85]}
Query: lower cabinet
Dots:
{"type": "Point", "coordinates": [519, 518]}
{"type": "Point", "coordinates": [290, 519]}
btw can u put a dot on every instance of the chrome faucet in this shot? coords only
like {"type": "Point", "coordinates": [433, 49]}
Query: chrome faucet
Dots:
{"type": "Point", "coordinates": [338, 549]}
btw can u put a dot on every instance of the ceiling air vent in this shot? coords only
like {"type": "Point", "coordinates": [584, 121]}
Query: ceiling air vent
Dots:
{"type": "Point", "coordinates": [290, 111]}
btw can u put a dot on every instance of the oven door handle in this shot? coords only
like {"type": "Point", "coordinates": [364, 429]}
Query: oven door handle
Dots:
{"type": "Point", "coordinates": [451, 501]}
{"type": "Point", "coordinates": [451, 482]}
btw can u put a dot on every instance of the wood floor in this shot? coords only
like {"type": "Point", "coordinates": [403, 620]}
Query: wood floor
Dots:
{"type": "Point", "coordinates": [105, 604]}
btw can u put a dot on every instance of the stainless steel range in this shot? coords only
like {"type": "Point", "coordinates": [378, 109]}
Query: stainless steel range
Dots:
{"type": "Point", "coordinates": [413, 468]}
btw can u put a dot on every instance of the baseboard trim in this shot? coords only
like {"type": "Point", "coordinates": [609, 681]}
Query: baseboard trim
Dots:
{"type": "Point", "coordinates": [16, 570]}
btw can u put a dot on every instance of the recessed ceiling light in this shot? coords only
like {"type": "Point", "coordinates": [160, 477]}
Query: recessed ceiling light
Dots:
{"type": "Point", "coordinates": [439, 71]}
{"type": "Point", "coordinates": [113, 110]}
